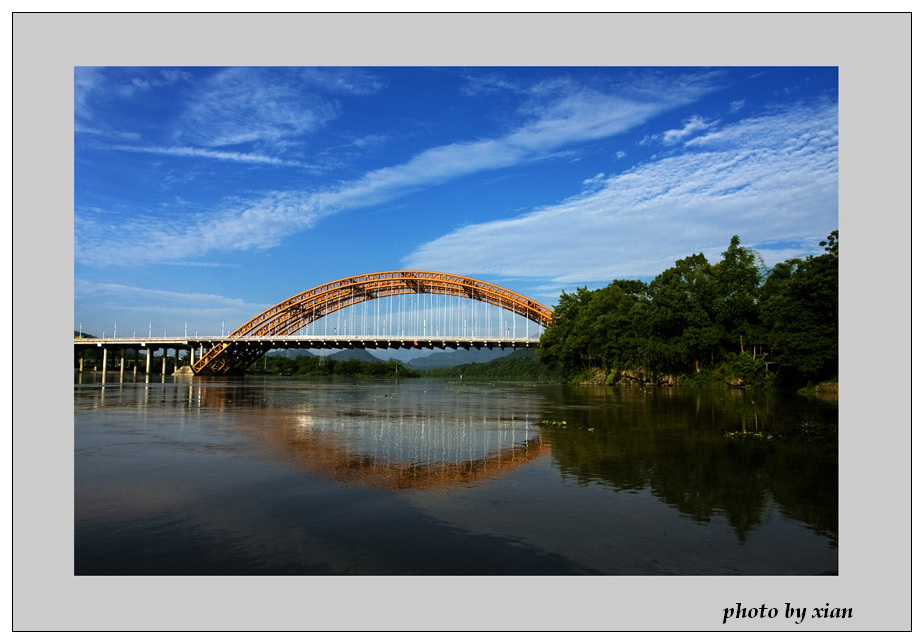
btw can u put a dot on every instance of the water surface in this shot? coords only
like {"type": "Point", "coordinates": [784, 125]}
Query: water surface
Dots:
{"type": "Point", "coordinates": [430, 477]}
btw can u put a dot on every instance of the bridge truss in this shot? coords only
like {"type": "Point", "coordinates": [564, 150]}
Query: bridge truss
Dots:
{"type": "Point", "coordinates": [237, 352]}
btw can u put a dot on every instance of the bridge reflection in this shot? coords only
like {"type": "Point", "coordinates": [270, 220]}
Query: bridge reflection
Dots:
{"type": "Point", "coordinates": [411, 454]}
{"type": "Point", "coordinates": [392, 441]}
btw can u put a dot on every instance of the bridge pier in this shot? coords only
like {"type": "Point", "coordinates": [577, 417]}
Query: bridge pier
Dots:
{"type": "Point", "coordinates": [105, 360]}
{"type": "Point", "coordinates": [147, 361]}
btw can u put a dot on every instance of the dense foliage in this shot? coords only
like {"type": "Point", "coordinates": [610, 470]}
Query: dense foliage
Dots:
{"type": "Point", "coordinates": [733, 322]}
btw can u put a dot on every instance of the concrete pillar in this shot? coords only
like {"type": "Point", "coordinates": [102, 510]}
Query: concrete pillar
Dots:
{"type": "Point", "coordinates": [105, 357]}
{"type": "Point", "coordinates": [122, 364]}
{"type": "Point", "coordinates": [164, 372]}
{"type": "Point", "coordinates": [147, 361]}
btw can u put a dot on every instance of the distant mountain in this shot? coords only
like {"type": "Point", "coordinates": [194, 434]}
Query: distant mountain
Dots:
{"type": "Point", "coordinates": [345, 354]}
{"type": "Point", "coordinates": [454, 357]}
{"type": "Point", "coordinates": [353, 354]}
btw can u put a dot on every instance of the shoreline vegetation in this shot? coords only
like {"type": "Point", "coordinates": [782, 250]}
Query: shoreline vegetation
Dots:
{"type": "Point", "coordinates": [522, 365]}
{"type": "Point", "coordinates": [734, 323]}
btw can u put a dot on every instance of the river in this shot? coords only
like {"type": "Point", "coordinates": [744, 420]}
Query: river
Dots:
{"type": "Point", "coordinates": [281, 476]}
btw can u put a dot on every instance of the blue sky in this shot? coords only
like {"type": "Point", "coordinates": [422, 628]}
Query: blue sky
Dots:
{"type": "Point", "coordinates": [203, 196]}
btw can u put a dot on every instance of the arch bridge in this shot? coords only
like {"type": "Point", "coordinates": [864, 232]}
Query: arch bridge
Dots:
{"type": "Point", "coordinates": [276, 326]}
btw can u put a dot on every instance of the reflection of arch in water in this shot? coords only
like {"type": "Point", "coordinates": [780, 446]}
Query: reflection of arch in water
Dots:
{"type": "Point", "coordinates": [377, 448]}
{"type": "Point", "coordinates": [366, 470]}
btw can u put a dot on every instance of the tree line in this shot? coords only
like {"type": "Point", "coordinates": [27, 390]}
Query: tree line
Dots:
{"type": "Point", "coordinates": [734, 322]}
{"type": "Point", "coordinates": [522, 364]}
{"type": "Point", "coordinates": [309, 365]}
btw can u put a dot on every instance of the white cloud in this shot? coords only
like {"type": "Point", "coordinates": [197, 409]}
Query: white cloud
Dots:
{"type": "Point", "coordinates": [483, 84]}
{"type": "Point", "coordinates": [690, 127]}
{"type": "Point", "coordinates": [206, 153]}
{"type": "Point", "coordinates": [114, 303]}
{"type": "Point", "coordinates": [246, 105]}
{"type": "Point", "coordinates": [87, 80]}
{"type": "Point", "coordinates": [224, 116]}
{"type": "Point", "coordinates": [86, 288]}
{"type": "Point", "coordinates": [256, 224]}
{"type": "Point", "coordinates": [765, 179]}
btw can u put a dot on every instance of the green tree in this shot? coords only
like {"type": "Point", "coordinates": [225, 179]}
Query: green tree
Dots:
{"type": "Point", "coordinates": [617, 318]}
{"type": "Point", "coordinates": [697, 317]}
{"type": "Point", "coordinates": [738, 279]}
{"type": "Point", "coordinates": [564, 342]}
{"type": "Point", "coordinates": [685, 331]}
{"type": "Point", "coordinates": [800, 308]}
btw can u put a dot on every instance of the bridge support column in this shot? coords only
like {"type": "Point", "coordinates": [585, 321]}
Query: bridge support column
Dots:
{"type": "Point", "coordinates": [164, 370]}
{"type": "Point", "coordinates": [147, 361]}
{"type": "Point", "coordinates": [122, 364]}
{"type": "Point", "coordinates": [105, 359]}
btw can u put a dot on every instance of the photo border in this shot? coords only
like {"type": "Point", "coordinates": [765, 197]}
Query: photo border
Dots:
{"type": "Point", "coordinates": [873, 54]}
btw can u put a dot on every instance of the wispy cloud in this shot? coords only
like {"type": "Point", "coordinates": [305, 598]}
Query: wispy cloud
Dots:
{"type": "Point", "coordinates": [690, 127]}
{"type": "Point", "coordinates": [268, 108]}
{"type": "Point", "coordinates": [248, 225]}
{"type": "Point", "coordinates": [159, 307]}
{"type": "Point", "coordinates": [92, 84]}
{"type": "Point", "coordinates": [157, 79]}
{"type": "Point", "coordinates": [87, 80]}
{"type": "Point", "coordinates": [246, 105]}
{"type": "Point", "coordinates": [207, 153]}
{"type": "Point", "coordinates": [768, 178]}
{"type": "Point", "coordinates": [86, 288]}
{"type": "Point", "coordinates": [223, 115]}
{"type": "Point", "coordinates": [487, 84]}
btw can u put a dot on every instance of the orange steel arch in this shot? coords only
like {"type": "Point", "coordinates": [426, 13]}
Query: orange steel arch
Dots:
{"type": "Point", "coordinates": [290, 315]}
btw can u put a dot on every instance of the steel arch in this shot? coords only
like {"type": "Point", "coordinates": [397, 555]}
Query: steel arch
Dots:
{"type": "Point", "coordinates": [308, 306]}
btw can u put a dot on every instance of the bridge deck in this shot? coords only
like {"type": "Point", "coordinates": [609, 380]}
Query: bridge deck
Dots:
{"type": "Point", "coordinates": [267, 343]}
